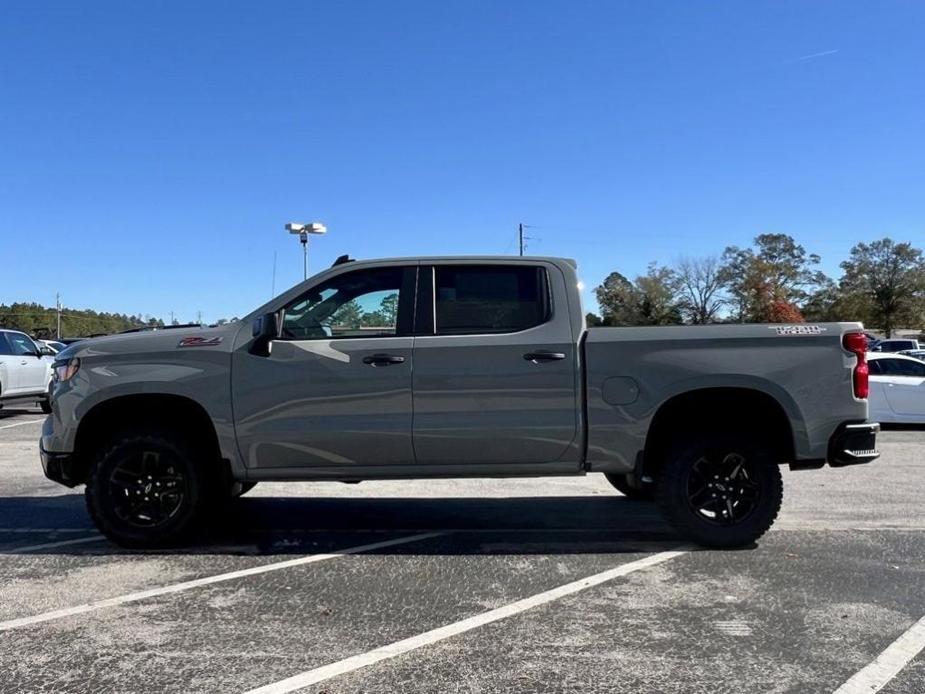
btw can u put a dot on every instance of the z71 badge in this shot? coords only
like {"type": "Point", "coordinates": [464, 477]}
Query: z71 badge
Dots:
{"type": "Point", "coordinates": [199, 341]}
{"type": "Point", "coordinates": [798, 329]}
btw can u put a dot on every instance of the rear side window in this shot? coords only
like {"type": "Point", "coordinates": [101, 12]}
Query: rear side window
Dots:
{"type": "Point", "coordinates": [472, 299]}
{"type": "Point", "coordinates": [5, 348]}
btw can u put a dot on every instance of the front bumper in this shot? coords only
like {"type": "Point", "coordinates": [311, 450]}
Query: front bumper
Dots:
{"type": "Point", "coordinates": [854, 444]}
{"type": "Point", "coordinates": [61, 468]}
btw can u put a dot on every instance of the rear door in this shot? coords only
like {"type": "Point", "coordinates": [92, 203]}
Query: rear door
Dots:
{"type": "Point", "coordinates": [335, 390]}
{"type": "Point", "coordinates": [495, 366]}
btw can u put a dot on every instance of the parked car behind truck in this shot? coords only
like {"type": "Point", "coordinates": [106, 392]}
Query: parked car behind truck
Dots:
{"type": "Point", "coordinates": [25, 371]}
{"type": "Point", "coordinates": [453, 367]}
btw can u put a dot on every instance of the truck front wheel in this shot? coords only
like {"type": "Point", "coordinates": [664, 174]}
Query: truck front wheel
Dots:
{"type": "Point", "coordinates": [724, 491]}
{"type": "Point", "coordinates": [145, 490]}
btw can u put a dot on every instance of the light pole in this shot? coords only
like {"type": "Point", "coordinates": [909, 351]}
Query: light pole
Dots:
{"type": "Point", "coordinates": [303, 230]}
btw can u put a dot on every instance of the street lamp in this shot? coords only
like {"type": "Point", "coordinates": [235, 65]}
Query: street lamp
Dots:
{"type": "Point", "coordinates": [303, 230]}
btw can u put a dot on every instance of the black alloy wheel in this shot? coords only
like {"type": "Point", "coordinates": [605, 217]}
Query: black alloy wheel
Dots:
{"type": "Point", "coordinates": [150, 489]}
{"type": "Point", "coordinates": [723, 488]}
{"type": "Point", "coordinates": [721, 491]}
{"type": "Point", "coordinates": [147, 488]}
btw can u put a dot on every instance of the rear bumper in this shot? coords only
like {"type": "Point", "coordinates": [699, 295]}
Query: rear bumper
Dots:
{"type": "Point", "coordinates": [854, 444]}
{"type": "Point", "coordinates": [851, 444]}
{"type": "Point", "coordinates": [60, 467]}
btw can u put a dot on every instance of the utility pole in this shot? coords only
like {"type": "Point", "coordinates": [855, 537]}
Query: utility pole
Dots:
{"type": "Point", "coordinates": [521, 237]}
{"type": "Point", "coordinates": [58, 311]}
{"type": "Point", "coordinates": [171, 317]}
{"type": "Point", "coordinates": [199, 317]}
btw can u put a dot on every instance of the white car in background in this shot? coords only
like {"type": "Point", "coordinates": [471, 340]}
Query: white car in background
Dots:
{"type": "Point", "coordinates": [897, 388]}
{"type": "Point", "coordinates": [53, 345]}
{"type": "Point", "coordinates": [25, 371]}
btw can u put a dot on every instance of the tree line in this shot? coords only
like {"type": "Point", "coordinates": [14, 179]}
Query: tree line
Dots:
{"type": "Point", "coordinates": [41, 321]}
{"type": "Point", "coordinates": [776, 280]}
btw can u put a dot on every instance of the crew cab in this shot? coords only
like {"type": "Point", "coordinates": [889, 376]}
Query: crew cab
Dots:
{"type": "Point", "coordinates": [25, 371]}
{"type": "Point", "coordinates": [453, 367]}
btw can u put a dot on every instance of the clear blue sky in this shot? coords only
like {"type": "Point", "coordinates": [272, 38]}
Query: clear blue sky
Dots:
{"type": "Point", "coordinates": [151, 152]}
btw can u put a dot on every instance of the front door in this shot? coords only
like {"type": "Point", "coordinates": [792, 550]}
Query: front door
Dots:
{"type": "Point", "coordinates": [30, 371]}
{"type": "Point", "coordinates": [335, 390]}
{"type": "Point", "coordinates": [495, 380]}
{"type": "Point", "coordinates": [904, 385]}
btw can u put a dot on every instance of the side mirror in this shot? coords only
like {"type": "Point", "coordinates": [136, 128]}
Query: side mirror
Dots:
{"type": "Point", "coordinates": [264, 331]}
{"type": "Point", "coordinates": [266, 326]}
{"type": "Point", "coordinates": [46, 352]}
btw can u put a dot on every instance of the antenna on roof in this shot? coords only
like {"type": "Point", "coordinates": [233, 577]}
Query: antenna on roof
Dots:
{"type": "Point", "coordinates": [341, 259]}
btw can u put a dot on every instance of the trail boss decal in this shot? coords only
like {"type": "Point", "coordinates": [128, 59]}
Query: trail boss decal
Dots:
{"type": "Point", "coordinates": [200, 342]}
{"type": "Point", "coordinates": [798, 329]}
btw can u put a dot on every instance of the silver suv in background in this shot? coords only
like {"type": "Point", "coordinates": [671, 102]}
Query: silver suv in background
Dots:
{"type": "Point", "coordinates": [25, 371]}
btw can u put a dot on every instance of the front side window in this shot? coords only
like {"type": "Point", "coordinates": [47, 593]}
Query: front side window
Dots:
{"type": "Point", "coordinates": [363, 303]}
{"type": "Point", "coordinates": [472, 299]}
{"type": "Point", "coordinates": [22, 344]}
{"type": "Point", "coordinates": [896, 367]}
{"type": "Point", "coordinates": [910, 368]}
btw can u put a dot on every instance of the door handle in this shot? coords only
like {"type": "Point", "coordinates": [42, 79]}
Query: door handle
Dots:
{"type": "Point", "coordinates": [543, 355]}
{"type": "Point", "coordinates": [383, 359]}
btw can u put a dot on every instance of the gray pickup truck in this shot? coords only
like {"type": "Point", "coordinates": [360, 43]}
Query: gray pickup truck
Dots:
{"type": "Point", "coordinates": [453, 367]}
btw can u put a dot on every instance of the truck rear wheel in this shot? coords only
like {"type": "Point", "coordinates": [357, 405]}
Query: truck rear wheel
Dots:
{"type": "Point", "coordinates": [622, 484]}
{"type": "Point", "coordinates": [724, 491]}
{"type": "Point", "coordinates": [145, 490]}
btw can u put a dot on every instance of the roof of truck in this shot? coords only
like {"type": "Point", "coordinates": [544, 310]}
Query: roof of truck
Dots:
{"type": "Point", "coordinates": [452, 258]}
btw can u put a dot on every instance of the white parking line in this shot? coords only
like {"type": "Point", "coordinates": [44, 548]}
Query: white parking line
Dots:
{"type": "Point", "coordinates": [208, 580]}
{"type": "Point", "coordinates": [51, 545]}
{"type": "Point", "coordinates": [19, 424]}
{"type": "Point", "coordinates": [888, 664]}
{"type": "Point", "coordinates": [341, 667]}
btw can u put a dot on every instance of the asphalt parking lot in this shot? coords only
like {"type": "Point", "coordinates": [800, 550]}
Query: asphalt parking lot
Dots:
{"type": "Point", "coordinates": [543, 585]}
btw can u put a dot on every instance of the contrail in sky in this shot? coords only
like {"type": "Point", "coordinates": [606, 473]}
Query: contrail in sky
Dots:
{"type": "Point", "coordinates": [811, 56]}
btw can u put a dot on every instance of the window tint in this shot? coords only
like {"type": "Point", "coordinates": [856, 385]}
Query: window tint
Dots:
{"type": "Point", "coordinates": [897, 367]}
{"type": "Point", "coordinates": [489, 298]}
{"type": "Point", "coordinates": [363, 303]}
{"type": "Point", "coordinates": [22, 344]}
{"type": "Point", "coordinates": [5, 348]}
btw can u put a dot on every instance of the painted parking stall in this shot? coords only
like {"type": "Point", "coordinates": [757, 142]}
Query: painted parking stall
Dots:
{"type": "Point", "coordinates": [548, 585]}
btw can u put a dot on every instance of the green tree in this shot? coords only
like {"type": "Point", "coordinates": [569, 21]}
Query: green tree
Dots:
{"type": "Point", "coordinates": [886, 280]}
{"type": "Point", "coordinates": [776, 272]}
{"type": "Point", "coordinates": [349, 315]}
{"type": "Point", "coordinates": [652, 299]}
{"type": "Point", "coordinates": [592, 320]}
{"type": "Point", "coordinates": [389, 309]}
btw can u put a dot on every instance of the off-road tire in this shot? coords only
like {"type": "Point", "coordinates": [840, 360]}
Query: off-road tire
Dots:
{"type": "Point", "coordinates": [620, 482]}
{"type": "Point", "coordinates": [677, 479]}
{"type": "Point", "coordinates": [197, 487]}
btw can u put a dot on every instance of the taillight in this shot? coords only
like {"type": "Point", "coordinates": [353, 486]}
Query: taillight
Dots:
{"type": "Point", "coordinates": [856, 343]}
